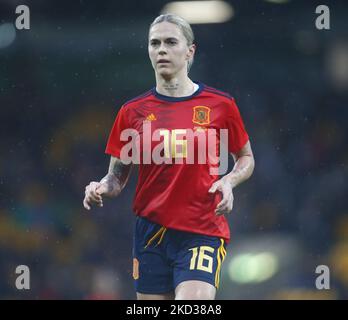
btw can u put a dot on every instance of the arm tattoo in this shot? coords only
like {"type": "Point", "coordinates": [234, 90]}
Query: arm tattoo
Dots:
{"type": "Point", "coordinates": [120, 170]}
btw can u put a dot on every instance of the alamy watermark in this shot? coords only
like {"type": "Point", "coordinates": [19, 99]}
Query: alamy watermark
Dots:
{"type": "Point", "coordinates": [323, 20]}
{"type": "Point", "coordinates": [23, 280]}
{"type": "Point", "coordinates": [177, 146]}
{"type": "Point", "coordinates": [23, 20]}
{"type": "Point", "coordinates": [323, 280]}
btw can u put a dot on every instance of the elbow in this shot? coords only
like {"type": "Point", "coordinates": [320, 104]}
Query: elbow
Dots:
{"type": "Point", "coordinates": [251, 165]}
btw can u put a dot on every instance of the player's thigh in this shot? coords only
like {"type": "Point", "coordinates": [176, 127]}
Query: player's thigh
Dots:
{"type": "Point", "coordinates": [164, 296]}
{"type": "Point", "coordinates": [152, 274]}
{"type": "Point", "coordinates": [195, 290]}
{"type": "Point", "coordinates": [197, 266]}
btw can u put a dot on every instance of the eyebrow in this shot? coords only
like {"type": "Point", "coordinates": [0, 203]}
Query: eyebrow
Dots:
{"type": "Point", "coordinates": [166, 39]}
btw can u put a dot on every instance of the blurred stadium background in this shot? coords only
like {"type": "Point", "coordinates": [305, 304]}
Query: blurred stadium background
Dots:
{"type": "Point", "coordinates": [61, 85]}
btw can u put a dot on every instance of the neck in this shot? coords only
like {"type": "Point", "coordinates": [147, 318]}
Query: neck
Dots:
{"type": "Point", "coordinates": [175, 86]}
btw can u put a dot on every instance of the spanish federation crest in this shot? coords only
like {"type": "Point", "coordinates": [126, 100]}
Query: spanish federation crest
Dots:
{"type": "Point", "coordinates": [201, 115]}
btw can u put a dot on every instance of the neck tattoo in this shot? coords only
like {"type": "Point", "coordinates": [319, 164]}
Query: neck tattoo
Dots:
{"type": "Point", "coordinates": [171, 86]}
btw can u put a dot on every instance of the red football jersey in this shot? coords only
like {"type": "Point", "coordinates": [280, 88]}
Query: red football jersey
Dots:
{"type": "Point", "coordinates": [172, 194]}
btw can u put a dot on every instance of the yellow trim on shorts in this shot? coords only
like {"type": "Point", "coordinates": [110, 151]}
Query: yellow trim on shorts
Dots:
{"type": "Point", "coordinates": [160, 232]}
{"type": "Point", "coordinates": [162, 235]}
{"type": "Point", "coordinates": [220, 260]}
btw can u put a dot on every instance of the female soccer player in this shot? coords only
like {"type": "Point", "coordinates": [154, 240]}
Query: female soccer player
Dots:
{"type": "Point", "coordinates": [180, 231]}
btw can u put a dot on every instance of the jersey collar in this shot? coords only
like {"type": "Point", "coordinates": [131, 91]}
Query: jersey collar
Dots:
{"type": "Point", "coordinates": [177, 99]}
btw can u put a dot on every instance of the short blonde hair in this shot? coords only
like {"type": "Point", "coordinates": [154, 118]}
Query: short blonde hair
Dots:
{"type": "Point", "coordinates": [184, 27]}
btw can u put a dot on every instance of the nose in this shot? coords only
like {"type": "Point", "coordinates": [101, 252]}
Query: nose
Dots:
{"type": "Point", "coordinates": [162, 49]}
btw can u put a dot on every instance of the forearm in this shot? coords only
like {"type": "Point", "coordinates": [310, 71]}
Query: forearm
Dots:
{"type": "Point", "coordinates": [117, 176]}
{"type": "Point", "coordinates": [242, 170]}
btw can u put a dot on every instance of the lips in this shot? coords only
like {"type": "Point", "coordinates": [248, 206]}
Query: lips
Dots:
{"type": "Point", "coordinates": [163, 61]}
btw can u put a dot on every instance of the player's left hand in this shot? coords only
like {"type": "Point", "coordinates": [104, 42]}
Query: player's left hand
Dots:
{"type": "Point", "coordinates": [226, 204]}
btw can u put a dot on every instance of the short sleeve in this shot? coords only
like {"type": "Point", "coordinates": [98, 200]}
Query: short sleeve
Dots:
{"type": "Point", "coordinates": [237, 135]}
{"type": "Point", "coordinates": [114, 144]}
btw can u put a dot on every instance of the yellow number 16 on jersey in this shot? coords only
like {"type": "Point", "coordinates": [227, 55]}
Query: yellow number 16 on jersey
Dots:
{"type": "Point", "coordinates": [171, 137]}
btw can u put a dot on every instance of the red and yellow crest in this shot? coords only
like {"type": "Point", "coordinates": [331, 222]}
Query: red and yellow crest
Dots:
{"type": "Point", "coordinates": [201, 115]}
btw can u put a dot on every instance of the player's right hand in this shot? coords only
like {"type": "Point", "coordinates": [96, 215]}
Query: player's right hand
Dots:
{"type": "Point", "coordinates": [94, 194]}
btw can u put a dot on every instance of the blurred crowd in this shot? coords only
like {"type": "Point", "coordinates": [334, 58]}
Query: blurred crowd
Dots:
{"type": "Point", "coordinates": [56, 113]}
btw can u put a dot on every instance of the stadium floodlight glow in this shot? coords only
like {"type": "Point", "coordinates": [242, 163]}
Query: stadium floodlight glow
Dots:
{"type": "Point", "coordinates": [278, 1]}
{"type": "Point", "coordinates": [253, 268]}
{"type": "Point", "coordinates": [7, 34]}
{"type": "Point", "coordinates": [199, 12]}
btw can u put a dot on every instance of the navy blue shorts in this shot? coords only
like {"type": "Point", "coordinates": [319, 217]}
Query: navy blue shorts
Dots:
{"type": "Point", "coordinates": [162, 258]}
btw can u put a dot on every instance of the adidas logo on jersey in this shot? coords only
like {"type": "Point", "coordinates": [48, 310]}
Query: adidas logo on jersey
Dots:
{"type": "Point", "coordinates": [151, 117]}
